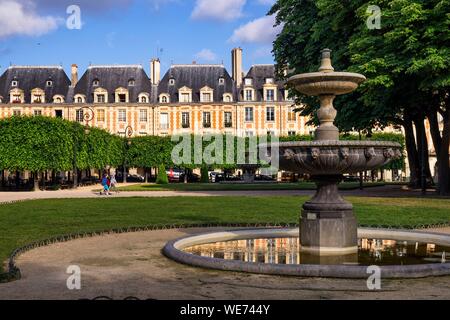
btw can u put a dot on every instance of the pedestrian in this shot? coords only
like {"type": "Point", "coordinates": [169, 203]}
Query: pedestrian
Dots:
{"type": "Point", "coordinates": [114, 184]}
{"type": "Point", "coordinates": [106, 184]}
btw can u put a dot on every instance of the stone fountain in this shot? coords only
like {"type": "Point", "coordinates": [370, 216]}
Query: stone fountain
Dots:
{"type": "Point", "coordinates": [328, 224]}
{"type": "Point", "coordinates": [329, 243]}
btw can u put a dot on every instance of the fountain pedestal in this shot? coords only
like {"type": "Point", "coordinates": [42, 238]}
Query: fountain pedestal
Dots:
{"type": "Point", "coordinates": [328, 225]}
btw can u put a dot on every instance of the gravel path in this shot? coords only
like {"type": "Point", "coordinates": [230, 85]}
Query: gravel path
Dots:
{"type": "Point", "coordinates": [119, 266]}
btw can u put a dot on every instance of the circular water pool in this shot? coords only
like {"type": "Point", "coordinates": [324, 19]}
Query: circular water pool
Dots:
{"type": "Point", "coordinates": [398, 253]}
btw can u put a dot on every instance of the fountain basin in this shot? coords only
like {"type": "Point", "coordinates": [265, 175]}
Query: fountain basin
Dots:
{"type": "Point", "coordinates": [176, 251]}
{"type": "Point", "coordinates": [334, 157]}
{"type": "Point", "coordinates": [326, 83]}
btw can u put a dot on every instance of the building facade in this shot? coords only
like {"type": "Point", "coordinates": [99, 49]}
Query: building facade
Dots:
{"type": "Point", "coordinates": [194, 98]}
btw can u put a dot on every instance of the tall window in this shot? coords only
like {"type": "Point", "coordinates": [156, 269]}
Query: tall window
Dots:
{"type": "Point", "coordinates": [228, 120]}
{"type": "Point", "coordinates": [101, 115]}
{"type": "Point", "coordinates": [185, 123]}
{"type": "Point", "coordinates": [122, 98]}
{"type": "Point", "coordinates": [144, 99]}
{"type": "Point", "coordinates": [122, 115]}
{"type": "Point", "coordinates": [206, 119]}
{"type": "Point", "coordinates": [270, 95]}
{"type": "Point", "coordinates": [79, 99]}
{"type": "Point", "coordinates": [79, 116]}
{"type": "Point", "coordinates": [143, 115]}
{"type": "Point", "coordinates": [185, 97]}
{"type": "Point", "coordinates": [101, 98]}
{"type": "Point", "coordinates": [248, 114]}
{"type": "Point", "coordinates": [270, 114]}
{"type": "Point", "coordinates": [206, 97]}
{"type": "Point", "coordinates": [164, 121]}
{"type": "Point", "coordinates": [164, 99]}
{"type": "Point", "coordinates": [291, 115]}
{"type": "Point", "coordinates": [249, 95]}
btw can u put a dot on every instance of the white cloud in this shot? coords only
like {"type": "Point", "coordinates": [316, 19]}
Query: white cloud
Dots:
{"type": "Point", "coordinates": [260, 30]}
{"type": "Point", "coordinates": [206, 55]}
{"type": "Point", "coordinates": [223, 10]}
{"type": "Point", "coordinates": [16, 19]}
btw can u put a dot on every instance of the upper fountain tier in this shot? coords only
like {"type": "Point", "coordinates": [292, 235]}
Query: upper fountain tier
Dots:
{"type": "Point", "coordinates": [326, 81]}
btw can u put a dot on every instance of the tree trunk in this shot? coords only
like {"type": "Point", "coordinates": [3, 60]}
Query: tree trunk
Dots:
{"type": "Point", "coordinates": [146, 175]}
{"type": "Point", "coordinates": [424, 156]}
{"type": "Point", "coordinates": [443, 160]}
{"type": "Point", "coordinates": [36, 181]}
{"type": "Point", "coordinates": [411, 149]}
{"type": "Point", "coordinates": [43, 181]}
{"type": "Point", "coordinates": [75, 178]}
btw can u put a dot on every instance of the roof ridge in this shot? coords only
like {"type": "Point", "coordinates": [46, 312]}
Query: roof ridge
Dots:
{"type": "Point", "coordinates": [116, 66]}
{"type": "Point", "coordinates": [34, 67]}
{"type": "Point", "coordinates": [197, 65]}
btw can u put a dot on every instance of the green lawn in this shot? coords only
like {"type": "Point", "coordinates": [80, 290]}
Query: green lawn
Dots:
{"type": "Point", "coordinates": [240, 187]}
{"type": "Point", "coordinates": [25, 222]}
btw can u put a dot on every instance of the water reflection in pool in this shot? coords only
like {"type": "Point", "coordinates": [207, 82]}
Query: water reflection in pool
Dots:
{"type": "Point", "coordinates": [287, 251]}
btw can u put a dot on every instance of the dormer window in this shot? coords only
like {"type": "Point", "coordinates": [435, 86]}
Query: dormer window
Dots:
{"type": "Point", "coordinates": [16, 96]}
{"type": "Point", "coordinates": [96, 83]}
{"type": "Point", "coordinates": [14, 83]}
{"type": "Point", "coordinates": [58, 99]}
{"type": "Point", "coordinates": [270, 95]}
{"type": "Point", "coordinates": [248, 81]}
{"type": "Point", "coordinates": [49, 83]}
{"type": "Point", "coordinates": [164, 98]}
{"type": "Point", "coordinates": [185, 95]}
{"type": "Point", "coordinates": [37, 95]}
{"type": "Point", "coordinates": [143, 97]}
{"type": "Point", "coordinates": [100, 95]}
{"type": "Point", "coordinates": [121, 95]}
{"type": "Point", "coordinates": [227, 97]}
{"type": "Point", "coordinates": [248, 95]}
{"type": "Point", "coordinates": [131, 82]}
{"type": "Point", "coordinates": [171, 82]}
{"type": "Point", "coordinates": [79, 98]}
{"type": "Point", "coordinates": [221, 81]}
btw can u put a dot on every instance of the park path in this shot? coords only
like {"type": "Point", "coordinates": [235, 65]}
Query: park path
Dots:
{"type": "Point", "coordinates": [87, 192]}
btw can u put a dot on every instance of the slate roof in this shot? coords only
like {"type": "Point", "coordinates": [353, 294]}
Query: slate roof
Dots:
{"type": "Point", "coordinates": [31, 77]}
{"type": "Point", "coordinates": [112, 77]}
{"type": "Point", "coordinates": [259, 74]}
{"type": "Point", "coordinates": [195, 77]}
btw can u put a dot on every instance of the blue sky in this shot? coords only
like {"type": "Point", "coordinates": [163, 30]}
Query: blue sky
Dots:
{"type": "Point", "coordinates": [34, 32]}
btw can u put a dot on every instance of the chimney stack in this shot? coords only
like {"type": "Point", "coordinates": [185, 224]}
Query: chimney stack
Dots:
{"type": "Point", "coordinates": [236, 65]}
{"type": "Point", "coordinates": [74, 75]}
{"type": "Point", "coordinates": [155, 70]}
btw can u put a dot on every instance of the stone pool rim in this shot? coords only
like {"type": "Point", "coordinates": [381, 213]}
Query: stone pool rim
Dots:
{"type": "Point", "coordinates": [173, 250]}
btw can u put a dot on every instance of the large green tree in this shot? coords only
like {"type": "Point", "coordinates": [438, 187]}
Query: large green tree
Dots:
{"type": "Point", "coordinates": [406, 62]}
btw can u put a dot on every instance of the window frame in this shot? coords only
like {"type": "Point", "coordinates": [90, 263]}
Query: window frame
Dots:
{"type": "Point", "coordinates": [249, 117]}
{"type": "Point", "coordinates": [122, 115]}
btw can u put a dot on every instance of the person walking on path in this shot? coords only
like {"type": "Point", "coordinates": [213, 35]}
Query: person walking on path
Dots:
{"type": "Point", "coordinates": [114, 184]}
{"type": "Point", "coordinates": [106, 183]}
